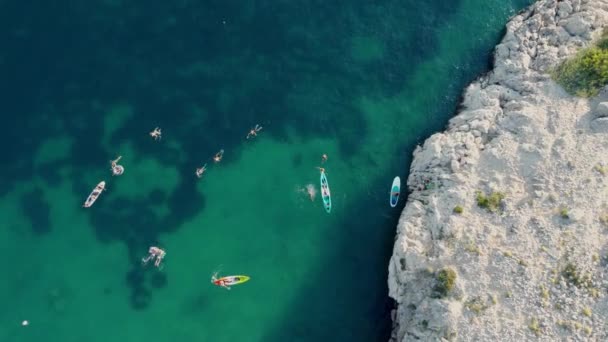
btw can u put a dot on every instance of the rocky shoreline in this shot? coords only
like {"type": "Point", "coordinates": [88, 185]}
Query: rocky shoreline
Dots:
{"type": "Point", "coordinates": [504, 234]}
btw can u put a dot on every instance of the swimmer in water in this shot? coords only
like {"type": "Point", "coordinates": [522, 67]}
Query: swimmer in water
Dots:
{"type": "Point", "coordinates": [156, 134]}
{"type": "Point", "coordinates": [323, 158]}
{"type": "Point", "coordinates": [219, 282]}
{"type": "Point", "coordinates": [312, 191]}
{"type": "Point", "coordinates": [254, 131]}
{"type": "Point", "coordinates": [201, 170]}
{"type": "Point", "coordinates": [154, 253]}
{"type": "Point", "coordinates": [218, 156]}
{"type": "Point", "coordinates": [117, 170]}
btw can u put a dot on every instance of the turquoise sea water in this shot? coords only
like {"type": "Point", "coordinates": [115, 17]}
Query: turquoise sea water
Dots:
{"type": "Point", "coordinates": [83, 82]}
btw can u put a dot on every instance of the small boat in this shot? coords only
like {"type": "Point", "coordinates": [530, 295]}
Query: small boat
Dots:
{"type": "Point", "coordinates": [395, 188]}
{"type": "Point", "coordinates": [231, 280]}
{"type": "Point", "coordinates": [325, 193]}
{"type": "Point", "coordinates": [94, 194]}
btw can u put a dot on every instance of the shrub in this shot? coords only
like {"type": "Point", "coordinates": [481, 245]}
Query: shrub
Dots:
{"type": "Point", "coordinates": [604, 219]}
{"type": "Point", "coordinates": [570, 325]}
{"type": "Point", "coordinates": [471, 247]}
{"type": "Point", "coordinates": [446, 279]}
{"type": "Point", "coordinates": [595, 293]}
{"type": "Point", "coordinates": [476, 305]}
{"type": "Point", "coordinates": [534, 326]}
{"type": "Point", "coordinates": [601, 169]}
{"type": "Point", "coordinates": [587, 312]}
{"type": "Point", "coordinates": [544, 293]}
{"type": "Point", "coordinates": [458, 209]}
{"type": "Point", "coordinates": [576, 277]}
{"type": "Point", "coordinates": [563, 212]}
{"type": "Point", "coordinates": [585, 74]}
{"type": "Point", "coordinates": [491, 202]}
{"type": "Point", "coordinates": [603, 42]}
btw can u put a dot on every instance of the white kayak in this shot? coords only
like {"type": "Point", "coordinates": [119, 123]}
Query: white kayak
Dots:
{"type": "Point", "coordinates": [94, 194]}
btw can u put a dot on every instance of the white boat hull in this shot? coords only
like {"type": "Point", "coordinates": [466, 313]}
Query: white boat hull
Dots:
{"type": "Point", "coordinates": [94, 194]}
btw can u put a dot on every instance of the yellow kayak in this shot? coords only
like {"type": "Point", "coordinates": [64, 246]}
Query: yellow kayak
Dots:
{"type": "Point", "coordinates": [231, 280]}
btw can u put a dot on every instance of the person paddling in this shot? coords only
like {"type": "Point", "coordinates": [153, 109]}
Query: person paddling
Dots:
{"type": "Point", "coordinates": [254, 131]}
{"type": "Point", "coordinates": [201, 170]}
{"type": "Point", "coordinates": [219, 282]}
{"type": "Point", "coordinates": [218, 156]}
{"type": "Point", "coordinates": [117, 170]}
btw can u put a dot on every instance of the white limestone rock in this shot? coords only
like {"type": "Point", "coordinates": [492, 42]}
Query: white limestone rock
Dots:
{"type": "Point", "coordinates": [577, 25]}
{"type": "Point", "coordinates": [601, 110]}
{"type": "Point", "coordinates": [600, 125]}
{"type": "Point", "coordinates": [534, 267]}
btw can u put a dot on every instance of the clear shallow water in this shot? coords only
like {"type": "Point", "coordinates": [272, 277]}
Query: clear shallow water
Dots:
{"type": "Point", "coordinates": [82, 83]}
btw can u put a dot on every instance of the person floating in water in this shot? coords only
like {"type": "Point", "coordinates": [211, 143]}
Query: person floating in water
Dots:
{"type": "Point", "coordinates": [219, 282]}
{"type": "Point", "coordinates": [323, 158]}
{"type": "Point", "coordinates": [117, 170]}
{"type": "Point", "coordinates": [201, 170]}
{"type": "Point", "coordinates": [312, 191]}
{"type": "Point", "coordinates": [154, 253]}
{"type": "Point", "coordinates": [156, 134]}
{"type": "Point", "coordinates": [254, 131]}
{"type": "Point", "coordinates": [218, 156]}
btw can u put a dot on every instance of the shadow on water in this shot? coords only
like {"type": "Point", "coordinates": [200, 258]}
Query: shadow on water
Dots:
{"type": "Point", "coordinates": [37, 210]}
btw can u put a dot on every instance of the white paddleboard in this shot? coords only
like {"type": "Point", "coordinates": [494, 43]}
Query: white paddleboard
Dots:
{"type": "Point", "coordinates": [395, 191]}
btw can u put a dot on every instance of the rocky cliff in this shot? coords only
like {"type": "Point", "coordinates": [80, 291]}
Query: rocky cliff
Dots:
{"type": "Point", "coordinates": [504, 233]}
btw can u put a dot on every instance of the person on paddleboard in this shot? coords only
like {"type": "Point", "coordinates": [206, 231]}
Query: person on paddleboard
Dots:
{"type": "Point", "coordinates": [219, 282]}
{"type": "Point", "coordinates": [321, 169]}
{"type": "Point", "coordinates": [218, 156]}
{"type": "Point", "coordinates": [117, 170]}
{"type": "Point", "coordinates": [201, 170]}
{"type": "Point", "coordinates": [254, 131]}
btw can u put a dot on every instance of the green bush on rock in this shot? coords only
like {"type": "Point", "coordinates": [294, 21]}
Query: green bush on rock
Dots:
{"type": "Point", "coordinates": [575, 277]}
{"type": "Point", "coordinates": [585, 74]}
{"type": "Point", "coordinates": [491, 202]}
{"type": "Point", "coordinates": [446, 279]}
